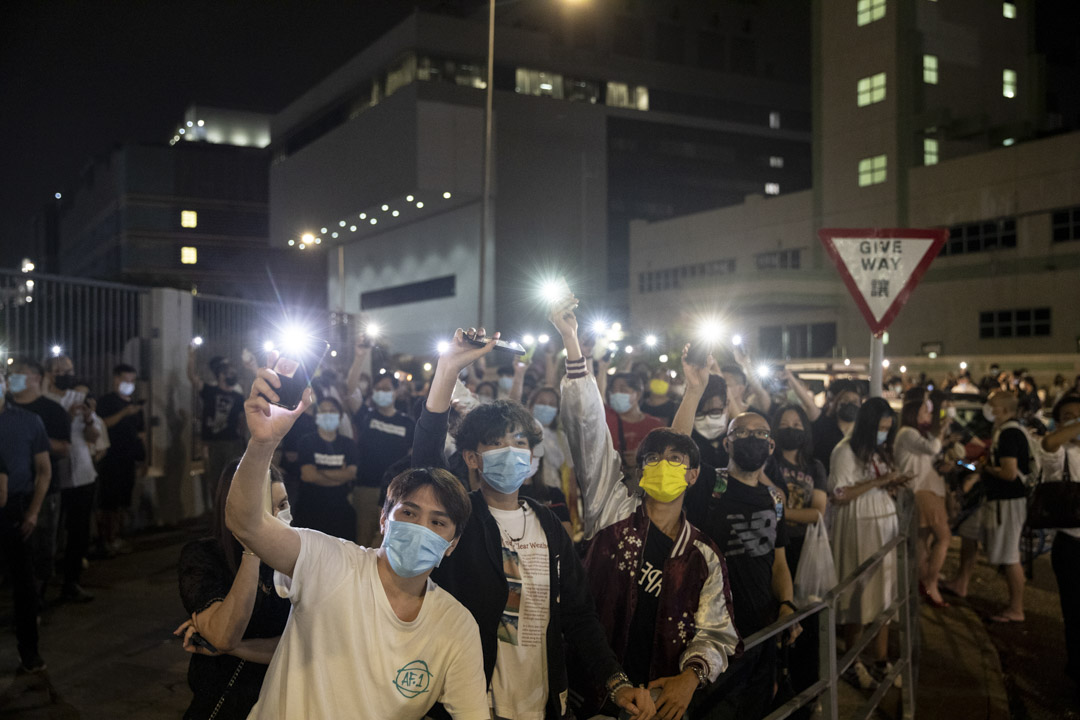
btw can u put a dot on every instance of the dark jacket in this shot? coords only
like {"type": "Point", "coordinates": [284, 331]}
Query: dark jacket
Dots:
{"type": "Point", "coordinates": [474, 575]}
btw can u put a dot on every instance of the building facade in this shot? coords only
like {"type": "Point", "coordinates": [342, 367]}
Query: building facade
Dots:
{"type": "Point", "coordinates": [604, 112]}
{"type": "Point", "coordinates": [927, 115]}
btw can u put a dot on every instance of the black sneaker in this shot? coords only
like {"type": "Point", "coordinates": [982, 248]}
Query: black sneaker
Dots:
{"type": "Point", "coordinates": [75, 594]}
{"type": "Point", "coordinates": [32, 664]}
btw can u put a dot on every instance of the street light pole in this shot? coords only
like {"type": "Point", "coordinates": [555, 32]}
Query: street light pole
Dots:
{"type": "Point", "coordinates": [485, 201]}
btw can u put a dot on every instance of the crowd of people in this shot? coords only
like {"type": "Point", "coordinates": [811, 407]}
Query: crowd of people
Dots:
{"type": "Point", "coordinates": [543, 537]}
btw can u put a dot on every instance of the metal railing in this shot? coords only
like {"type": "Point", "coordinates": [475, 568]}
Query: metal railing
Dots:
{"type": "Point", "coordinates": [830, 667]}
{"type": "Point", "coordinates": [99, 324]}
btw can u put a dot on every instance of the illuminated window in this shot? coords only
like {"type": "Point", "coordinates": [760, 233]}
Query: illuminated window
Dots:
{"type": "Point", "coordinates": [872, 170]}
{"type": "Point", "coordinates": [929, 69]}
{"type": "Point", "coordinates": [621, 95]}
{"type": "Point", "coordinates": [1008, 10]}
{"type": "Point", "coordinates": [776, 161]}
{"type": "Point", "coordinates": [870, 10]}
{"type": "Point", "coordinates": [772, 188]}
{"type": "Point", "coordinates": [189, 218]}
{"type": "Point", "coordinates": [930, 151]}
{"type": "Point", "coordinates": [774, 120]}
{"type": "Point", "coordinates": [1008, 83]}
{"type": "Point", "coordinates": [534, 82]}
{"type": "Point", "coordinates": [401, 74]}
{"type": "Point", "coordinates": [189, 255]}
{"type": "Point", "coordinates": [871, 89]}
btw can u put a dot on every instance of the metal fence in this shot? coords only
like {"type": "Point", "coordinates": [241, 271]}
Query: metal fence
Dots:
{"type": "Point", "coordinates": [99, 324]}
{"type": "Point", "coordinates": [904, 610]}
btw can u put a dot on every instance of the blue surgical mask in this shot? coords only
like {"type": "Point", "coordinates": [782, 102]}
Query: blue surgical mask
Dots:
{"type": "Point", "coordinates": [329, 422]}
{"type": "Point", "coordinates": [412, 549]}
{"type": "Point", "coordinates": [506, 468]}
{"type": "Point", "coordinates": [620, 402]}
{"type": "Point", "coordinates": [506, 383]}
{"type": "Point", "coordinates": [17, 382]}
{"type": "Point", "coordinates": [544, 414]}
{"type": "Point", "coordinates": [383, 398]}
{"type": "Point", "coordinates": [285, 515]}
{"type": "Point", "coordinates": [882, 436]}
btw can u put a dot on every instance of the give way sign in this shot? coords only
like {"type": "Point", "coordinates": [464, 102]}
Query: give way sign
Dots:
{"type": "Point", "coordinates": [881, 266]}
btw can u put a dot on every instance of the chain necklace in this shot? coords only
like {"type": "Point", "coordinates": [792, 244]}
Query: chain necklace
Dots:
{"type": "Point", "coordinates": [524, 524]}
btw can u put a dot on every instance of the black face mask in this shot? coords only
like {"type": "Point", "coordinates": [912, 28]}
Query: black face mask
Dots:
{"type": "Point", "coordinates": [64, 382]}
{"type": "Point", "coordinates": [847, 412]}
{"type": "Point", "coordinates": [230, 380]}
{"type": "Point", "coordinates": [750, 453]}
{"type": "Point", "coordinates": [790, 438]}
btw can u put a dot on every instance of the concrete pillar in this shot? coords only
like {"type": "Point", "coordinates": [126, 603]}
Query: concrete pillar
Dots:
{"type": "Point", "coordinates": [176, 486]}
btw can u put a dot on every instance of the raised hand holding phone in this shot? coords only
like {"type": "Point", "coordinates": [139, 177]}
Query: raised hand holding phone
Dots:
{"type": "Point", "coordinates": [267, 420]}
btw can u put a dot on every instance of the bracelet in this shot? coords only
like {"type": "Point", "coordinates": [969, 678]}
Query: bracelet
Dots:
{"type": "Point", "coordinates": [790, 605]}
{"type": "Point", "coordinates": [248, 552]}
{"type": "Point", "coordinates": [617, 682]}
{"type": "Point", "coordinates": [701, 669]}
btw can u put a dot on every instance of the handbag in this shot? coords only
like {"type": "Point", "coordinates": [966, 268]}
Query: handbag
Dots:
{"type": "Point", "coordinates": [816, 575]}
{"type": "Point", "coordinates": [1055, 504]}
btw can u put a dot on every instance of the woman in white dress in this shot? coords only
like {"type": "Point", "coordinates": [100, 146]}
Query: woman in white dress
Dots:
{"type": "Point", "coordinates": [861, 477]}
{"type": "Point", "coordinates": [917, 449]}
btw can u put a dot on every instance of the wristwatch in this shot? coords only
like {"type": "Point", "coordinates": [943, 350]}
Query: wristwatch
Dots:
{"type": "Point", "coordinates": [616, 683]}
{"type": "Point", "coordinates": [790, 605]}
{"type": "Point", "coordinates": [700, 669]}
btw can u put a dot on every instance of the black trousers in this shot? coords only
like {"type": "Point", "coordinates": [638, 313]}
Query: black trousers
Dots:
{"type": "Point", "coordinates": [78, 507]}
{"type": "Point", "coordinates": [16, 554]}
{"type": "Point", "coordinates": [744, 692]}
{"type": "Point", "coordinates": [1065, 559]}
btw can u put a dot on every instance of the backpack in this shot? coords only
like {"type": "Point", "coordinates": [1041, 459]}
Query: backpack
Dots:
{"type": "Point", "coordinates": [1034, 475]}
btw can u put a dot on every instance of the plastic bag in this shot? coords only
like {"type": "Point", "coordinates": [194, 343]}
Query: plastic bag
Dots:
{"type": "Point", "coordinates": [816, 575]}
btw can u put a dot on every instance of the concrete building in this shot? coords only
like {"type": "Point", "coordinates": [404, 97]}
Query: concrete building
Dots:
{"type": "Point", "coordinates": [927, 115]}
{"type": "Point", "coordinates": [190, 215]}
{"type": "Point", "coordinates": [604, 112]}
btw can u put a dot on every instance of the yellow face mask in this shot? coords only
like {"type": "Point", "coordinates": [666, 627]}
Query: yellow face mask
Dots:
{"type": "Point", "coordinates": [664, 481]}
{"type": "Point", "coordinates": [659, 387]}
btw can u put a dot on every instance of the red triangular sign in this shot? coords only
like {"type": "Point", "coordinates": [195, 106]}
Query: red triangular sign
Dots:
{"type": "Point", "coordinates": [881, 266]}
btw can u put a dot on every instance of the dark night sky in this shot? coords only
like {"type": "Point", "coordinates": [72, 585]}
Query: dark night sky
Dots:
{"type": "Point", "coordinates": [78, 77]}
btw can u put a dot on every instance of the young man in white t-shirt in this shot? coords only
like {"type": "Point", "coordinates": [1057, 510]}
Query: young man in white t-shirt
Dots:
{"type": "Point", "coordinates": [370, 635]}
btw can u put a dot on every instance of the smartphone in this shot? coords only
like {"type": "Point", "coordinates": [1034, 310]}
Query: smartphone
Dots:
{"type": "Point", "coordinates": [698, 354]}
{"type": "Point", "coordinates": [295, 371]}
{"type": "Point", "coordinates": [199, 641]}
{"type": "Point", "coordinates": [505, 345]}
{"type": "Point", "coordinates": [966, 465]}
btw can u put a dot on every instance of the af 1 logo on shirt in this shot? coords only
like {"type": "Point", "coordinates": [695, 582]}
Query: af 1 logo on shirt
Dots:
{"type": "Point", "coordinates": [413, 679]}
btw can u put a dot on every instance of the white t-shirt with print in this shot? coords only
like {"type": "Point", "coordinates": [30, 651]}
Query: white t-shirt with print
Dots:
{"type": "Point", "coordinates": [346, 654]}
{"type": "Point", "coordinates": [519, 684]}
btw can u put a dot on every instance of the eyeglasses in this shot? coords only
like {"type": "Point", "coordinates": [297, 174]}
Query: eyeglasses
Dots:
{"type": "Point", "coordinates": [711, 414]}
{"type": "Point", "coordinates": [744, 433]}
{"type": "Point", "coordinates": [654, 459]}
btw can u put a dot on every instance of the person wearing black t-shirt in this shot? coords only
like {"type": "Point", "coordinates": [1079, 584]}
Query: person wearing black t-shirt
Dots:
{"type": "Point", "coordinates": [1003, 514]}
{"type": "Point", "coordinates": [220, 417]}
{"type": "Point", "coordinates": [837, 421]}
{"type": "Point", "coordinates": [383, 436]}
{"type": "Point", "coordinates": [124, 419]}
{"type": "Point", "coordinates": [744, 516]}
{"type": "Point", "coordinates": [328, 463]}
{"type": "Point", "coordinates": [288, 458]}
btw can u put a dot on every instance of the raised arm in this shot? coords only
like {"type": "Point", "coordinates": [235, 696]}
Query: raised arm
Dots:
{"type": "Point", "coordinates": [192, 372]}
{"type": "Point", "coordinates": [247, 511]}
{"type": "Point", "coordinates": [757, 392]}
{"type": "Point", "coordinates": [519, 381]}
{"type": "Point", "coordinates": [360, 365]}
{"type": "Point", "coordinates": [697, 379]}
{"type": "Point", "coordinates": [806, 398]}
{"type": "Point", "coordinates": [596, 462]}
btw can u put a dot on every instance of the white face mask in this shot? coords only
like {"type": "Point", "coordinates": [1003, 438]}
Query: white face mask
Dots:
{"type": "Point", "coordinates": [988, 412]}
{"type": "Point", "coordinates": [950, 412]}
{"type": "Point", "coordinates": [126, 388]}
{"type": "Point", "coordinates": [711, 427]}
{"type": "Point", "coordinates": [285, 515]}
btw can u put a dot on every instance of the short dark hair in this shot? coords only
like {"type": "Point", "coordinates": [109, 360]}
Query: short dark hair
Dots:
{"type": "Point", "coordinates": [843, 385]}
{"type": "Point", "coordinates": [864, 434]}
{"type": "Point", "coordinates": [486, 424]}
{"type": "Point", "coordinates": [218, 364]}
{"type": "Point", "coordinates": [736, 371]}
{"type": "Point", "coordinates": [488, 384]}
{"type": "Point", "coordinates": [505, 370]}
{"type": "Point", "coordinates": [123, 368]}
{"type": "Point", "coordinates": [909, 412]}
{"type": "Point", "coordinates": [1066, 399]}
{"type": "Point", "coordinates": [332, 400]}
{"type": "Point", "coordinates": [394, 382]}
{"type": "Point", "coordinates": [448, 491]}
{"type": "Point", "coordinates": [715, 387]}
{"type": "Point", "coordinates": [660, 439]}
{"type": "Point", "coordinates": [29, 364]}
{"type": "Point", "coordinates": [632, 379]}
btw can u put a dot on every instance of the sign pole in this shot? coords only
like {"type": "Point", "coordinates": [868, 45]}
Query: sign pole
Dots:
{"type": "Point", "coordinates": [877, 358]}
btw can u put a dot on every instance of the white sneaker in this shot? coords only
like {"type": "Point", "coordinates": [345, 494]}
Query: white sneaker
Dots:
{"type": "Point", "coordinates": [859, 676]}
